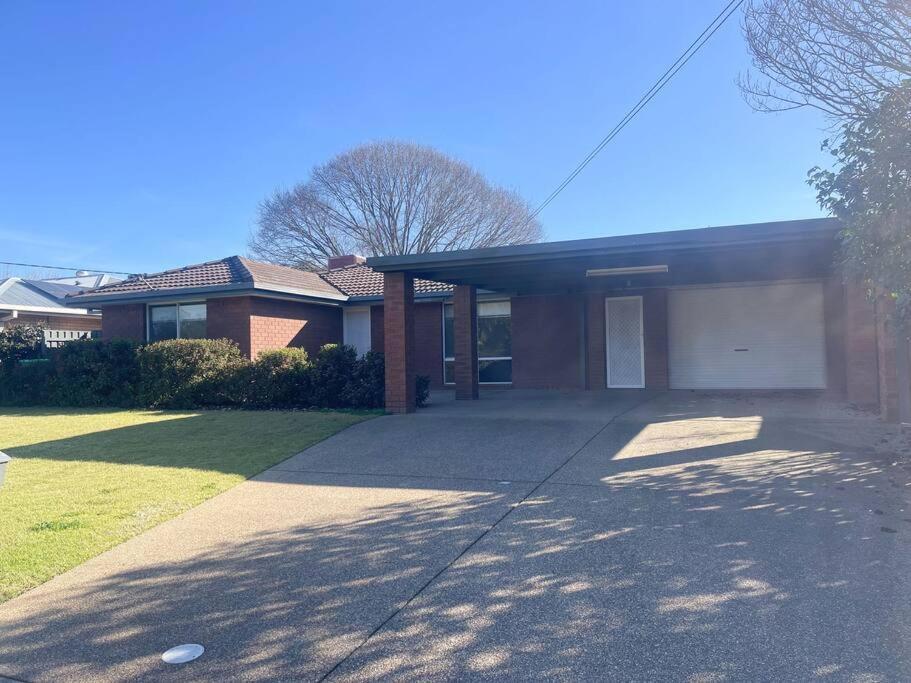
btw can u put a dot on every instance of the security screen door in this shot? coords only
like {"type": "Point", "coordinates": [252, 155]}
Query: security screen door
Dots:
{"type": "Point", "coordinates": [625, 358]}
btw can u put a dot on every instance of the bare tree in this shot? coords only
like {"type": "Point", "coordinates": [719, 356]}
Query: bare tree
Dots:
{"type": "Point", "coordinates": [389, 198]}
{"type": "Point", "coordinates": [838, 56]}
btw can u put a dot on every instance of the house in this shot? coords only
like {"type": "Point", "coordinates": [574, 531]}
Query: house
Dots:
{"type": "Point", "coordinates": [746, 307]}
{"type": "Point", "coordinates": [44, 302]}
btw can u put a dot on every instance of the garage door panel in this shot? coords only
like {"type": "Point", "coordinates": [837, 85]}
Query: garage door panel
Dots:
{"type": "Point", "coordinates": [749, 337]}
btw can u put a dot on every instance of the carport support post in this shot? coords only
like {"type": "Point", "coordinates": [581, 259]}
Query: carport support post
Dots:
{"type": "Point", "coordinates": [465, 331]}
{"type": "Point", "coordinates": [398, 328]}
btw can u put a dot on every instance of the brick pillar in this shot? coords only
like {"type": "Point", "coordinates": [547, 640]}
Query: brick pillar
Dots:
{"type": "Point", "coordinates": [398, 333]}
{"type": "Point", "coordinates": [887, 355]}
{"type": "Point", "coordinates": [861, 373]}
{"type": "Point", "coordinates": [465, 331]}
{"type": "Point", "coordinates": [596, 369]}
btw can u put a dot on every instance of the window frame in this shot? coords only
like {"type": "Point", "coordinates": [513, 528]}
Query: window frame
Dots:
{"type": "Point", "coordinates": [177, 305]}
{"type": "Point", "coordinates": [447, 359]}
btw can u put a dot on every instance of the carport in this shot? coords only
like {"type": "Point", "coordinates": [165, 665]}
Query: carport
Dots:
{"type": "Point", "coordinates": [736, 307]}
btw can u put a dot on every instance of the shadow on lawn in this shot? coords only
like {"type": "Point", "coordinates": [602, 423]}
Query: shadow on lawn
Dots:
{"type": "Point", "coordinates": [223, 441]}
{"type": "Point", "coordinates": [738, 569]}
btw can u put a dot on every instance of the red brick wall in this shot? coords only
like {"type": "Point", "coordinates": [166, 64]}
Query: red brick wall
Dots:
{"type": "Point", "coordinates": [834, 311]}
{"type": "Point", "coordinates": [58, 322]}
{"type": "Point", "coordinates": [595, 350]}
{"type": "Point", "coordinates": [124, 321]}
{"type": "Point", "coordinates": [861, 368]}
{"type": "Point", "coordinates": [546, 342]}
{"type": "Point", "coordinates": [887, 359]}
{"type": "Point", "coordinates": [275, 324]}
{"type": "Point", "coordinates": [428, 339]}
{"type": "Point", "coordinates": [229, 318]}
{"type": "Point", "coordinates": [654, 318]}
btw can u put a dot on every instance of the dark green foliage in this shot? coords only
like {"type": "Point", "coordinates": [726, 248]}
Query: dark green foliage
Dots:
{"type": "Point", "coordinates": [278, 379]}
{"type": "Point", "coordinates": [188, 373]}
{"type": "Point", "coordinates": [367, 386]}
{"type": "Point", "coordinates": [90, 372]}
{"type": "Point", "coordinates": [422, 390]}
{"type": "Point", "coordinates": [870, 191]}
{"type": "Point", "coordinates": [21, 342]}
{"type": "Point", "coordinates": [333, 370]}
{"type": "Point", "coordinates": [26, 383]}
{"type": "Point", "coordinates": [197, 373]}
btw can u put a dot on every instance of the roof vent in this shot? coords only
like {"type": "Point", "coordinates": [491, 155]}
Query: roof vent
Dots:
{"type": "Point", "coordinates": [347, 260]}
{"type": "Point", "coordinates": [82, 273]}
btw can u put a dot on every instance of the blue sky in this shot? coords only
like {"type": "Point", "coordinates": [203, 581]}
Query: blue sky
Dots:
{"type": "Point", "coordinates": [141, 136]}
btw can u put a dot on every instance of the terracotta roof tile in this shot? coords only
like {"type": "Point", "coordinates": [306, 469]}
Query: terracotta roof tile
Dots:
{"type": "Point", "coordinates": [233, 270]}
{"type": "Point", "coordinates": [362, 280]}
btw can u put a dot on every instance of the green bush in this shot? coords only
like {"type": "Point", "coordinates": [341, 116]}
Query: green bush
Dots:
{"type": "Point", "coordinates": [21, 342]}
{"type": "Point", "coordinates": [91, 372]}
{"type": "Point", "coordinates": [422, 390]}
{"type": "Point", "coordinates": [331, 376]}
{"type": "Point", "coordinates": [26, 383]}
{"type": "Point", "coordinates": [197, 373]}
{"type": "Point", "coordinates": [365, 388]}
{"type": "Point", "coordinates": [189, 373]}
{"type": "Point", "coordinates": [278, 379]}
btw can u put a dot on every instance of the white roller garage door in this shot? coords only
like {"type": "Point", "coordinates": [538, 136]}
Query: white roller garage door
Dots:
{"type": "Point", "coordinates": [747, 337]}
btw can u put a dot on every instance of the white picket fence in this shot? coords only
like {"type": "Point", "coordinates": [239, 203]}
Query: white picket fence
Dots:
{"type": "Point", "coordinates": [56, 338]}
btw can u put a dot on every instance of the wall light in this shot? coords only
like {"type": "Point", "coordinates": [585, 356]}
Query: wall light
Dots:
{"type": "Point", "coordinates": [630, 270]}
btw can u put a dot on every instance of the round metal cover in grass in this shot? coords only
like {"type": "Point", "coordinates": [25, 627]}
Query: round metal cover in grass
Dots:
{"type": "Point", "coordinates": [182, 654]}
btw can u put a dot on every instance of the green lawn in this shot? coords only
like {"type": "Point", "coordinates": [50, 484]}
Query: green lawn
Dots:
{"type": "Point", "coordinates": [82, 481]}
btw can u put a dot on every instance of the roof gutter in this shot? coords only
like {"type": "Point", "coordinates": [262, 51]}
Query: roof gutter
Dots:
{"type": "Point", "coordinates": [216, 290]}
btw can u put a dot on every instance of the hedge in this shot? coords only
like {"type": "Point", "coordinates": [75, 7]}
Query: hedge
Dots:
{"type": "Point", "coordinates": [196, 373]}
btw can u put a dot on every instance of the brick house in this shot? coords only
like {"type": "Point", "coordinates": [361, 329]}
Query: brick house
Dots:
{"type": "Point", "coordinates": [747, 307]}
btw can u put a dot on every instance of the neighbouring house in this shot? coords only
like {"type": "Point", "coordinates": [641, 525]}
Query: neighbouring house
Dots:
{"type": "Point", "coordinates": [745, 307]}
{"type": "Point", "coordinates": [44, 302]}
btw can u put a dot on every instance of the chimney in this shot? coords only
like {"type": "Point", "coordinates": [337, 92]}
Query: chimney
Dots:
{"type": "Point", "coordinates": [347, 260]}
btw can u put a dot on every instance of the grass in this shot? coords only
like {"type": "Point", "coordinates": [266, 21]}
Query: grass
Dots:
{"type": "Point", "coordinates": [82, 481]}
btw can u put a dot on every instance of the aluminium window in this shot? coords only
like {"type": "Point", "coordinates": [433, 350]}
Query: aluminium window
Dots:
{"type": "Point", "coordinates": [494, 343]}
{"type": "Point", "coordinates": [177, 321]}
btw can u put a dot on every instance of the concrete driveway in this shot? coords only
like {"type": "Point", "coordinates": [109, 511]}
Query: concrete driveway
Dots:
{"type": "Point", "coordinates": [630, 536]}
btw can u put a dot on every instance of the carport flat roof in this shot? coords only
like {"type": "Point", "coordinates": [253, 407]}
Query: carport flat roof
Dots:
{"type": "Point", "coordinates": [775, 250]}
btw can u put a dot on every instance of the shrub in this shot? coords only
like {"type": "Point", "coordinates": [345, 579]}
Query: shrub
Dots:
{"type": "Point", "coordinates": [422, 390]}
{"type": "Point", "coordinates": [189, 373]}
{"type": "Point", "coordinates": [91, 372]}
{"type": "Point", "coordinates": [332, 372]}
{"type": "Point", "coordinates": [366, 386]}
{"type": "Point", "coordinates": [26, 383]}
{"type": "Point", "coordinates": [21, 342]}
{"type": "Point", "coordinates": [278, 379]}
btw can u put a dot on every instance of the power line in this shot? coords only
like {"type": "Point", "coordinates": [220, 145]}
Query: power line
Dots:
{"type": "Point", "coordinates": [665, 78]}
{"type": "Point", "coordinates": [36, 265]}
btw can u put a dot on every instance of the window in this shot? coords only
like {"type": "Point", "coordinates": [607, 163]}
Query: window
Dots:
{"type": "Point", "coordinates": [177, 321]}
{"type": "Point", "coordinates": [494, 343]}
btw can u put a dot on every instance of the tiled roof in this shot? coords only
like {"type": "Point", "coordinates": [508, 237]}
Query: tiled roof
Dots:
{"type": "Point", "coordinates": [233, 270]}
{"type": "Point", "coordinates": [362, 280]}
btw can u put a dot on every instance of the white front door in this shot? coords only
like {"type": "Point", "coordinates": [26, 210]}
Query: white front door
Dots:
{"type": "Point", "coordinates": [356, 329]}
{"type": "Point", "coordinates": [625, 356]}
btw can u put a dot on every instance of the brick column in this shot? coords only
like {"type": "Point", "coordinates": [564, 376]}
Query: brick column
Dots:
{"type": "Point", "coordinates": [398, 333]}
{"type": "Point", "coordinates": [596, 370]}
{"type": "Point", "coordinates": [465, 329]}
{"type": "Point", "coordinates": [860, 348]}
{"type": "Point", "coordinates": [887, 355]}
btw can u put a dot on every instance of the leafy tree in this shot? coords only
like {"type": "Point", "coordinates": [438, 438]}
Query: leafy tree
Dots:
{"type": "Point", "coordinates": [389, 198]}
{"type": "Point", "coordinates": [870, 191]}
